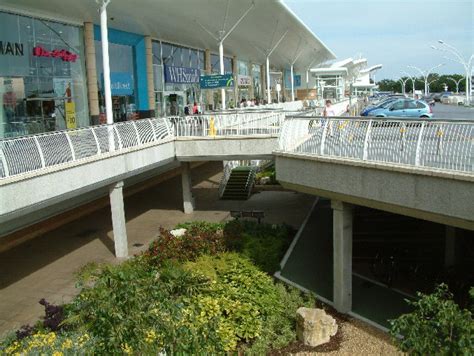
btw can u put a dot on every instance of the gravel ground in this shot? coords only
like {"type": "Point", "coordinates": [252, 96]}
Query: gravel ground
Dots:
{"type": "Point", "coordinates": [359, 338]}
{"type": "Point", "coordinates": [356, 338]}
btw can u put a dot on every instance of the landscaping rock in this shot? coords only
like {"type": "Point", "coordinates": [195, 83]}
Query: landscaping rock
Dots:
{"type": "Point", "coordinates": [265, 180]}
{"type": "Point", "coordinates": [314, 327]}
{"type": "Point", "coordinates": [178, 232]}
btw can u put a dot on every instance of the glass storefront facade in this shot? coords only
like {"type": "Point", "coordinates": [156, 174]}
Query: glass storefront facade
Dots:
{"type": "Point", "coordinates": [42, 76]}
{"type": "Point", "coordinates": [176, 74]}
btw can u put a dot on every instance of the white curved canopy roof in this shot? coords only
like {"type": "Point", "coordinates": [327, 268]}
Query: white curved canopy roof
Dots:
{"type": "Point", "coordinates": [176, 21]}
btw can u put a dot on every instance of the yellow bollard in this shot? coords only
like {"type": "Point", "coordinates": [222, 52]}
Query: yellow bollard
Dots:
{"type": "Point", "coordinates": [212, 129]}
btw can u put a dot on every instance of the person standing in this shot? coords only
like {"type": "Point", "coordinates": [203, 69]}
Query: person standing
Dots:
{"type": "Point", "coordinates": [329, 112]}
{"type": "Point", "coordinates": [329, 109]}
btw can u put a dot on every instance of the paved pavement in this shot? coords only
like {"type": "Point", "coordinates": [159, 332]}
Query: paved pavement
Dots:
{"type": "Point", "coordinates": [44, 267]}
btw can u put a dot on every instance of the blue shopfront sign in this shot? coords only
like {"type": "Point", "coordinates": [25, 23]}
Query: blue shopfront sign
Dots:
{"type": "Point", "coordinates": [216, 81]}
{"type": "Point", "coordinates": [296, 79]}
{"type": "Point", "coordinates": [121, 83]}
{"type": "Point", "coordinates": [181, 75]}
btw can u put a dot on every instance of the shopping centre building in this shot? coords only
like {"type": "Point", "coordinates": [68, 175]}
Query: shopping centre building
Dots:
{"type": "Point", "coordinates": [51, 67]}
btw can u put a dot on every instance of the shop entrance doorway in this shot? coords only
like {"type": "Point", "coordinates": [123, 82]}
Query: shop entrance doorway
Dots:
{"type": "Point", "coordinates": [174, 103]}
{"type": "Point", "coordinates": [124, 108]}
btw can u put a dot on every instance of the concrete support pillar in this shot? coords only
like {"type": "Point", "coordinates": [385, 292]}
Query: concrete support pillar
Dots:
{"type": "Point", "coordinates": [118, 220]}
{"type": "Point", "coordinates": [207, 61]}
{"type": "Point", "coordinates": [450, 246]}
{"type": "Point", "coordinates": [91, 73]}
{"type": "Point", "coordinates": [342, 243]}
{"type": "Point", "coordinates": [236, 73]}
{"type": "Point", "coordinates": [149, 74]}
{"type": "Point", "coordinates": [188, 199]}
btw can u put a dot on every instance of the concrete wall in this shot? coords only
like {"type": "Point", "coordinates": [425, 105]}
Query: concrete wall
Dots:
{"type": "Point", "coordinates": [22, 195]}
{"type": "Point", "coordinates": [225, 148]}
{"type": "Point", "coordinates": [435, 196]}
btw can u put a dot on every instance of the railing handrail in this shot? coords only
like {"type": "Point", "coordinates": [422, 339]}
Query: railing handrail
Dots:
{"type": "Point", "coordinates": [438, 145]}
{"type": "Point", "coordinates": [397, 119]}
{"type": "Point", "coordinates": [453, 138]}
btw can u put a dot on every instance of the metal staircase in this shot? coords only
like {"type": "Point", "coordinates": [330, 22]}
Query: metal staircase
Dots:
{"type": "Point", "coordinates": [239, 184]}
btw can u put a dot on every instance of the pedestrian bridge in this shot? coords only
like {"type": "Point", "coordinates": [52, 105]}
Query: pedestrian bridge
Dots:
{"type": "Point", "coordinates": [419, 168]}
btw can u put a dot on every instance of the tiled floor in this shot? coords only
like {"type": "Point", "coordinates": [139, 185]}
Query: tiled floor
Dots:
{"type": "Point", "coordinates": [44, 267]}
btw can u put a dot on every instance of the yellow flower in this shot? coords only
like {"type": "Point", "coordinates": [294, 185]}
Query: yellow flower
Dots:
{"type": "Point", "coordinates": [150, 336]}
{"type": "Point", "coordinates": [57, 353]}
{"type": "Point", "coordinates": [67, 344]}
{"type": "Point", "coordinates": [127, 349]}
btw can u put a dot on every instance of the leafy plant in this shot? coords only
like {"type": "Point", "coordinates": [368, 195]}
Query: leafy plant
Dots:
{"type": "Point", "coordinates": [264, 244]}
{"type": "Point", "coordinates": [188, 247]}
{"type": "Point", "coordinates": [50, 343]}
{"type": "Point", "coordinates": [436, 326]}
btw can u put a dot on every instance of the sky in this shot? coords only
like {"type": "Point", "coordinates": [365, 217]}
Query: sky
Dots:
{"type": "Point", "coordinates": [394, 33]}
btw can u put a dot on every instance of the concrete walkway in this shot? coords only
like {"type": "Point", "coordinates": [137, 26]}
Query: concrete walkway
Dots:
{"type": "Point", "coordinates": [44, 267]}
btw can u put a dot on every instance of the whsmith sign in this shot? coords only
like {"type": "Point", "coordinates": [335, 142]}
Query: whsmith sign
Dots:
{"type": "Point", "coordinates": [181, 75]}
{"type": "Point", "coordinates": [216, 81]}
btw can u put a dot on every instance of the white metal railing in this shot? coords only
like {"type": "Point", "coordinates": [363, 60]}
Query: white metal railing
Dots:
{"type": "Point", "coordinates": [30, 153]}
{"type": "Point", "coordinates": [240, 124]}
{"type": "Point", "coordinates": [446, 145]}
{"type": "Point", "coordinates": [25, 154]}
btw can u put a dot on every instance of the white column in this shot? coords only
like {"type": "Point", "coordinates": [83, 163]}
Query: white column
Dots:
{"type": "Point", "coordinates": [118, 220]}
{"type": "Point", "coordinates": [342, 265]}
{"type": "Point", "coordinates": [269, 95]}
{"type": "Point", "coordinates": [450, 246]}
{"type": "Point", "coordinates": [105, 62]}
{"type": "Point", "coordinates": [188, 199]}
{"type": "Point", "coordinates": [221, 62]}
{"type": "Point", "coordinates": [292, 84]}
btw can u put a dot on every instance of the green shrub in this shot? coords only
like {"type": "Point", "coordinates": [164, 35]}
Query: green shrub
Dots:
{"type": "Point", "coordinates": [197, 227]}
{"type": "Point", "coordinates": [436, 326]}
{"type": "Point", "coordinates": [50, 343]}
{"type": "Point", "coordinates": [246, 304]}
{"type": "Point", "coordinates": [192, 244]}
{"type": "Point", "coordinates": [133, 308]}
{"type": "Point", "coordinates": [264, 244]}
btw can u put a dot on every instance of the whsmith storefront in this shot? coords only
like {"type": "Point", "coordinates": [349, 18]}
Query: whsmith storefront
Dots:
{"type": "Point", "coordinates": [42, 76]}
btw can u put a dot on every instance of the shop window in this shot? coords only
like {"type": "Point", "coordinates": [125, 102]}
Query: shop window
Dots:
{"type": "Point", "coordinates": [35, 88]}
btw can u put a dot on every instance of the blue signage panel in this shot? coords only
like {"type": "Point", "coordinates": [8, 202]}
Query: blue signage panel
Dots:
{"type": "Point", "coordinates": [181, 75]}
{"type": "Point", "coordinates": [297, 80]}
{"type": "Point", "coordinates": [121, 83]}
{"type": "Point", "coordinates": [216, 81]}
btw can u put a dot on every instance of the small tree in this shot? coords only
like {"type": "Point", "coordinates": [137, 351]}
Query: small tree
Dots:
{"type": "Point", "coordinates": [437, 326]}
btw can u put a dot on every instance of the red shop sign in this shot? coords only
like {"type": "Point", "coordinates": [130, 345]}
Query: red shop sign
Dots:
{"type": "Point", "coordinates": [66, 56]}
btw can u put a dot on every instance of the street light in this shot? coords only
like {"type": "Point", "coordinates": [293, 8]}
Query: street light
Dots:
{"type": "Point", "coordinates": [401, 80]}
{"type": "Point", "coordinates": [457, 83]}
{"type": "Point", "coordinates": [460, 59]}
{"type": "Point", "coordinates": [412, 82]}
{"type": "Point", "coordinates": [425, 74]}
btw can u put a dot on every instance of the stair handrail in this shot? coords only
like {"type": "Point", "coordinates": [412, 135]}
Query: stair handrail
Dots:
{"type": "Point", "coordinates": [228, 167]}
{"type": "Point", "coordinates": [250, 180]}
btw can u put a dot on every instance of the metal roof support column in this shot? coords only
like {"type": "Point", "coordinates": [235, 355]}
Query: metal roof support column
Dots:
{"type": "Point", "coordinates": [105, 59]}
{"type": "Point", "coordinates": [292, 84]}
{"type": "Point", "coordinates": [269, 97]}
{"type": "Point", "coordinates": [223, 34]}
{"type": "Point", "coordinates": [221, 64]}
{"type": "Point", "coordinates": [267, 69]}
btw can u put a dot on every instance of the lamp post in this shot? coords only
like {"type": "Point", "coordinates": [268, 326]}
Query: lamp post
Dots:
{"type": "Point", "coordinates": [467, 64]}
{"type": "Point", "coordinates": [457, 83]}
{"type": "Point", "coordinates": [425, 74]}
{"type": "Point", "coordinates": [412, 83]}
{"type": "Point", "coordinates": [403, 81]}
